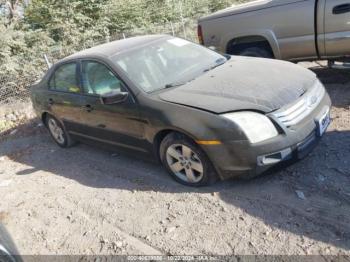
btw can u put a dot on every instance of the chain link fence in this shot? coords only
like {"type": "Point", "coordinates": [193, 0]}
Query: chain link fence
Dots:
{"type": "Point", "coordinates": [17, 90]}
{"type": "Point", "coordinates": [184, 15]}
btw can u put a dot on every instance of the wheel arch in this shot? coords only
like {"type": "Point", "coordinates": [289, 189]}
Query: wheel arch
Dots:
{"type": "Point", "coordinates": [161, 134]}
{"type": "Point", "coordinates": [237, 45]}
{"type": "Point", "coordinates": [267, 38]}
{"type": "Point", "coordinates": [44, 116]}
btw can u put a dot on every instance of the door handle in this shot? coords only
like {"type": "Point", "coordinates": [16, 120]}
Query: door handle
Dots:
{"type": "Point", "coordinates": [88, 108]}
{"type": "Point", "coordinates": [50, 101]}
{"type": "Point", "coordinates": [341, 9]}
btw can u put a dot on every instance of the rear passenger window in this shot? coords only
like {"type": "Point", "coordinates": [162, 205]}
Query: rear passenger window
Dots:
{"type": "Point", "coordinates": [65, 79]}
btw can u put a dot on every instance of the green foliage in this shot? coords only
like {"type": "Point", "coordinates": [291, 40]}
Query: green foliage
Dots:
{"type": "Point", "coordinates": [70, 25]}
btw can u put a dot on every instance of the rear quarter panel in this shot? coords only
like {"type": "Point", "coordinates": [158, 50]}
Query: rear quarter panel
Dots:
{"type": "Point", "coordinates": [289, 28]}
{"type": "Point", "coordinates": [38, 97]}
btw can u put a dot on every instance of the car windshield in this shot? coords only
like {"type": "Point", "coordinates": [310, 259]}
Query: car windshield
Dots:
{"type": "Point", "coordinates": [166, 63]}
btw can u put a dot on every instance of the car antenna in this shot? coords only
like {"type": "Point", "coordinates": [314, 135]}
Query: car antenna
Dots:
{"type": "Point", "coordinates": [47, 61]}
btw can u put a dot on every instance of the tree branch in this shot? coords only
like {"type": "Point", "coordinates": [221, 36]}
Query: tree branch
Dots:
{"type": "Point", "coordinates": [12, 7]}
{"type": "Point", "coordinates": [9, 4]}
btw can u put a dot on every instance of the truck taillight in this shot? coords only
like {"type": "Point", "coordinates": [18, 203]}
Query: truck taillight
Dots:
{"type": "Point", "coordinates": [200, 35]}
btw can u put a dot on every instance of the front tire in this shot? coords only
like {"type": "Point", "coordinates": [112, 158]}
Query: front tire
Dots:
{"type": "Point", "coordinates": [58, 132]}
{"type": "Point", "coordinates": [186, 162]}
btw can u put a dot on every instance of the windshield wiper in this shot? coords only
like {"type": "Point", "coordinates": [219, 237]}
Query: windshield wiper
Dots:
{"type": "Point", "coordinates": [175, 84]}
{"type": "Point", "coordinates": [218, 62]}
{"type": "Point", "coordinates": [179, 83]}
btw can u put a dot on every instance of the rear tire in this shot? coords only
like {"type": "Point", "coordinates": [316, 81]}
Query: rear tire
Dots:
{"type": "Point", "coordinates": [186, 162]}
{"type": "Point", "coordinates": [256, 52]}
{"type": "Point", "coordinates": [58, 132]}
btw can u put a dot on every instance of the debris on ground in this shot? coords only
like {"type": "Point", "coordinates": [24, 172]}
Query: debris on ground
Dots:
{"type": "Point", "coordinates": [300, 194]}
{"type": "Point", "coordinates": [5, 183]}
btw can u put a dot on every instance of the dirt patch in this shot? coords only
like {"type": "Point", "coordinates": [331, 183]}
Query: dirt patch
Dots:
{"type": "Point", "coordinates": [3, 217]}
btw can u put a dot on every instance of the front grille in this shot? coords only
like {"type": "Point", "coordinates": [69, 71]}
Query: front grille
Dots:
{"type": "Point", "coordinates": [295, 113]}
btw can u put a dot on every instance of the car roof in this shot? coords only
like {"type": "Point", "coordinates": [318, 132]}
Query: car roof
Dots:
{"type": "Point", "coordinates": [115, 47]}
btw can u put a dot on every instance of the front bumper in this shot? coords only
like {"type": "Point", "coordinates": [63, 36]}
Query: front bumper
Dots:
{"type": "Point", "coordinates": [241, 158]}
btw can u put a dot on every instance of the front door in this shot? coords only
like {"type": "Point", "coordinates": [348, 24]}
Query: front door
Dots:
{"type": "Point", "coordinates": [116, 124]}
{"type": "Point", "coordinates": [337, 27]}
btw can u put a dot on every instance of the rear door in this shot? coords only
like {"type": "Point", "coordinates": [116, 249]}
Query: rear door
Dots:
{"type": "Point", "coordinates": [64, 95]}
{"type": "Point", "coordinates": [337, 27]}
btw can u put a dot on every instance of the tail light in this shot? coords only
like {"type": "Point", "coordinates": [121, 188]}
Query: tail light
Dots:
{"type": "Point", "coordinates": [200, 35]}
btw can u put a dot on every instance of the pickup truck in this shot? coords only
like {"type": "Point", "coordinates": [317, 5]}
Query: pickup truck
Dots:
{"type": "Point", "coordinates": [293, 30]}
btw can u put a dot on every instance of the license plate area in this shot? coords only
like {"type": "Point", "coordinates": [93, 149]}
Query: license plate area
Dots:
{"type": "Point", "coordinates": [323, 122]}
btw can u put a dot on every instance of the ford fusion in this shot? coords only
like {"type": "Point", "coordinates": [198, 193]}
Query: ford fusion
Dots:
{"type": "Point", "coordinates": [204, 115]}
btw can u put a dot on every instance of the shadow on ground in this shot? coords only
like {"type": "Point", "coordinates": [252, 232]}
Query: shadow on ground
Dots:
{"type": "Point", "coordinates": [323, 177]}
{"type": "Point", "coordinates": [337, 83]}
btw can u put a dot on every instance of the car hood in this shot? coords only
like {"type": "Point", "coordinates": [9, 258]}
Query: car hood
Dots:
{"type": "Point", "coordinates": [244, 83]}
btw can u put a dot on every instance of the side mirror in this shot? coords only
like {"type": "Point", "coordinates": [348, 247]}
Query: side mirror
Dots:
{"type": "Point", "coordinates": [113, 97]}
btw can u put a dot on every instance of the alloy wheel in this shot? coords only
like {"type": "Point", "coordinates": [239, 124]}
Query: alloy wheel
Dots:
{"type": "Point", "coordinates": [56, 131]}
{"type": "Point", "coordinates": [184, 163]}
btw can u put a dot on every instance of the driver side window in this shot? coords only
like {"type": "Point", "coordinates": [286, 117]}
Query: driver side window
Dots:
{"type": "Point", "coordinates": [98, 79]}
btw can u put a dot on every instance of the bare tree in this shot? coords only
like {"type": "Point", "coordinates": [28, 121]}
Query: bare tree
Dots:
{"type": "Point", "coordinates": [13, 8]}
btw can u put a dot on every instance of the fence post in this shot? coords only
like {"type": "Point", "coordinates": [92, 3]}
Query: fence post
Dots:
{"type": "Point", "coordinates": [182, 20]}
{"type": "Point", "coordinates": [47, 61]}
{"type": "Point", "coordinates": [172, 28]}
{"type": "Point", "coordinates": [106, 31]}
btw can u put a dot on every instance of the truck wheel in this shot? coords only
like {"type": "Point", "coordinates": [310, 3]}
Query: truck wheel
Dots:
{"type": "Point", "coordinates": [256, 52]}
{"type": "Point", "coordinates": [330, 64]}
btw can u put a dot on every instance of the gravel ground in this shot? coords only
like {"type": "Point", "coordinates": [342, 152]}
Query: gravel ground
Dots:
{"type": "Point", "coordinates": [88, 201]}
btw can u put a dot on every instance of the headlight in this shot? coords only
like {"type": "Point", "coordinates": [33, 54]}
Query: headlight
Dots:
{"type": "Point", "coordinates": [257, 127]}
